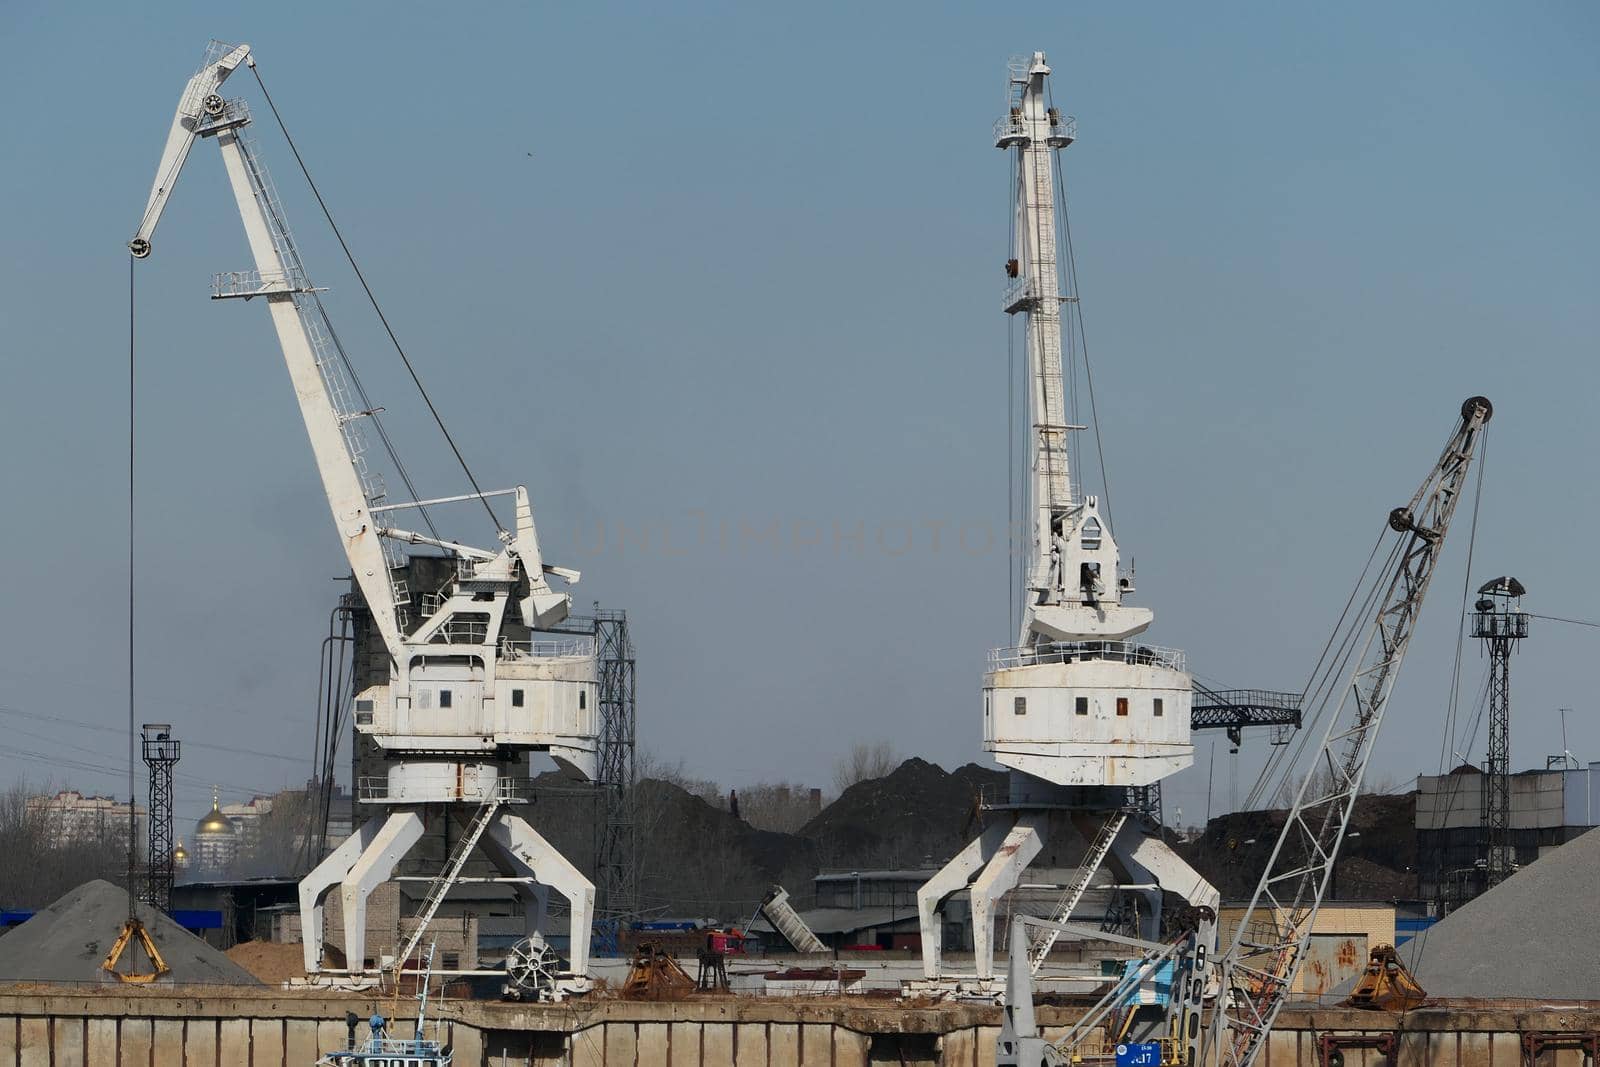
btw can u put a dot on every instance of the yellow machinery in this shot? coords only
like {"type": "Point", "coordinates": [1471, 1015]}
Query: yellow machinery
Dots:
{"type": "Point", "coordinates": [1386, 985]}
{"type": "Point", "coordinates": [133, 930]}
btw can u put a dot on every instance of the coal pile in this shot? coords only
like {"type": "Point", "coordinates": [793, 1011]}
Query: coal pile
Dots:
{"type": "Point", "coordinates": [68, 941]}
{"type": "Point", "coordinates": [701, 860]}
{"type": "Point", "coordinates": [1377, 861]}
{"type": "Point", "coordinates": [919, 815]}
{"type": "Point", "coordinates": [1535, 936]}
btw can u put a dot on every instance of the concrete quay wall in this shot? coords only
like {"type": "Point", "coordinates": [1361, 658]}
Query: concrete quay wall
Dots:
{"type": "Point", "coordinates": [169, 1028]}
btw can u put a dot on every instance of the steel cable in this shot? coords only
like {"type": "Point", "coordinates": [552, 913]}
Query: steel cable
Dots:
{"type": "Point", "coordinates": [372, 298]}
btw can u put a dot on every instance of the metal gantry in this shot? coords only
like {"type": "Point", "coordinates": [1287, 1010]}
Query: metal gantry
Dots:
{"type": "Point", "coordinates": [161, 752]}
{"type": "Point", "coordinates": [1499, 624]}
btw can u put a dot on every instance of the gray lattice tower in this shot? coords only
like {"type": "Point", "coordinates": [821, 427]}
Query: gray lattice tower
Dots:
{"type": "Point", "coordinates": [616, 844]}
{"type": "Point", "coordinates": [161, 752]}
{"type": "Point", "coordinates": [1499, 624]}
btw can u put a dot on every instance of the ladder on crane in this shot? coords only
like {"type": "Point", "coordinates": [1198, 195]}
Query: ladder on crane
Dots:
{"type": "Point", "coordinates": [447, 877]}
{"type": "Point", "coordinates": [1044, 938]}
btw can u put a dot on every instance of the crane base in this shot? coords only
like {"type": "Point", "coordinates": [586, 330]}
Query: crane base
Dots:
{"type": "Point", "coordinates": [369, 856]}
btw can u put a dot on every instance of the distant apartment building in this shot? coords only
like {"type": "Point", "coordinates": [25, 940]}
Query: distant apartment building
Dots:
{"type": "Point", "coordinates": [249, 821]}
{"type": "Point", "coordinates": [70, 817]}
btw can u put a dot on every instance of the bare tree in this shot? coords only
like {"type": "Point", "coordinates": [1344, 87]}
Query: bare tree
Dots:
{"type": "Point", "coordinates": [652, 767]}
{"type": "Point", "coordinates": [42, 864]}
{"type": "Point", "coordinates": [780, 806]}
{"type": "Point", "coordinates": [864, 762]}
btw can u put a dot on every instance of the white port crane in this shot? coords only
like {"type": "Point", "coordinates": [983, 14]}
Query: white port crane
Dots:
{"type": "Point", "coordinates": [1080, 713]}
{"type": "Point", "coordinates": [472, 689]}
{"type": "Point", "coordinates": [1253, 977]}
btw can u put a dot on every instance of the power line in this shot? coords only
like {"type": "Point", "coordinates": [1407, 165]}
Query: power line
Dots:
{"type": "Point", "coordinates": [1570, 622]}
{"type": "Point", "coordinates": [82, 725]}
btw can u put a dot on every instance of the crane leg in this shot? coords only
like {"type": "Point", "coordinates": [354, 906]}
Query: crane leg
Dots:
{"type": "Point", "coordinates": [534, 896]}
{"type": "Point", "coordinates": [316, 885]}
{"type": "Point", "coordinates": [520, 848]}
{"type": "Point", "coordinates": [1151, 861]}
{"type": "Point", "coordinates": [953, 876]}
{"type": "Point", "coordinates": [401, 830]}
{"type": "Point", "coordinates": [1000, 875]}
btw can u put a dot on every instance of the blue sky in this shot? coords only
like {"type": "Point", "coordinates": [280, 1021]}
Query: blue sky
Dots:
{"type": "Point", "coordinates": [698, 273]}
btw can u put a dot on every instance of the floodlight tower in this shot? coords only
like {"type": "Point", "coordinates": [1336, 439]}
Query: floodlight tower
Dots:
{"type": "Point", "coordinates": [1500, 624]}
{"type": "Point", "coordinates": [1079, 711]}
{"type": "Point", "coordinates": [161, 751]}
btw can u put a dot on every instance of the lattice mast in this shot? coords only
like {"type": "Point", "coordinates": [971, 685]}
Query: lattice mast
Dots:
{"type": "Point", "coordinates": [1500, 625]}
{"type": "Point", "coordinates": [161, 752]}
{"type": "Point", "coordinates": [1260, 967]}
{"type": "Point", "coordinates": [616, 844]}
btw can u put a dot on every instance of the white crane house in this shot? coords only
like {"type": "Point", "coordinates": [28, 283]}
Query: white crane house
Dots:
{"type": "Point", "coordinates": [474, 685]}
{"type": "Point", "coordinates": [1077, 710]}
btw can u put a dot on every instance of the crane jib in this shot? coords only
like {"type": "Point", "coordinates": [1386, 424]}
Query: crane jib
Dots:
{"type": "Point", "coordinates": [1258, 971]}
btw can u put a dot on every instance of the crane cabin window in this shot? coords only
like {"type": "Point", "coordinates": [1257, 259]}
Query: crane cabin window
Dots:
{"type": "Point", "coordinates": [444, 698]}
{"type": "Point", "coordinates": [583, 699]}
{"type": "Point", "coordinates": [1156, 708]}
{"type": "Point", "coordinates": [1122, 705]}
{"type": "Point", "coordinates": [516, 699]}
{"type": "Point", "coordinates": [1080, 706]}
{"type": "Point", "coordinates": [1019, 706]}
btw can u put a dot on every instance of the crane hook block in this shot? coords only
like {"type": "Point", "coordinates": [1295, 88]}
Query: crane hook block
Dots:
{"type": "Point", "coordinates": [213, 104]}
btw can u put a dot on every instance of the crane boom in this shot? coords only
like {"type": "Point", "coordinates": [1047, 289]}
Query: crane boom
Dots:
{"type": "Point", "coordinates": [1073, 584]}
{"type": "Point", "coordinates": [280, 279]}
{"type": "Point", "coordinates": [288, 293]}
{"type": "Point", "coordinates": [1269, 944]}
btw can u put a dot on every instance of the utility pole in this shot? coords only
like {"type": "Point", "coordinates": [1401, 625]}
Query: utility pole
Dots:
{"type": "Point", "coordinates": [161, 752]}
{"type": "Point", "coordinates": [1499, 624]}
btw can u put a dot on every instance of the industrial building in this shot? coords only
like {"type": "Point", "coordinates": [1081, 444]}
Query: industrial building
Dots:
{"type": "Point", "coordinates": [1342, 935]}
{"type": "Point", "coordinates": [1548, 808]}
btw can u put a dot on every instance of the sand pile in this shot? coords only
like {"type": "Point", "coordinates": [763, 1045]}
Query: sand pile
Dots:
{"type": "Point", "coordinates": [1534, 936]}
{"type": "Point", "coordinates": [67, 942]}
{"type": "Point", "coordinates": [271, 962]}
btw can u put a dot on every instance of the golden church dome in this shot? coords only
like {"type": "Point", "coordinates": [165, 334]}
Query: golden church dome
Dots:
{"type": "Point", "coordinates": [215, 823]}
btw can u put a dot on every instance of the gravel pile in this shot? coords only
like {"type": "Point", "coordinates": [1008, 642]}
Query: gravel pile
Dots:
{"type": "Point", "coordinates": [1534, 936]}
{"type": "Point", "coordinates": [67, 942]}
